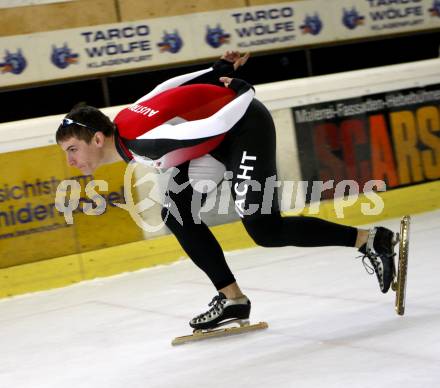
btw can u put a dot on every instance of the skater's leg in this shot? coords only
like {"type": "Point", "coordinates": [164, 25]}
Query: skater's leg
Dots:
{"type": "Point", "coordinates": [204, 250]}
{"type": "Point", "coordinates": [310, 232]}
{"type": "Point", "coordinates": [250, 155]}
{"type": "Point", "coordinates": [194, 236]}
{"type": "Point", "coordinates": [362, 237]}
{"type": "Point", "coordinates": [272, 230]}
{"type": "Point", "coordinates": [232, 291]}
{"type": "Point", "coordinates": [251, 158]}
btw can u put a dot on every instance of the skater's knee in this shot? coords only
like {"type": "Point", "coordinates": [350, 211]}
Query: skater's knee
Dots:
{"type": "Point", "coordinates": [261, 232]}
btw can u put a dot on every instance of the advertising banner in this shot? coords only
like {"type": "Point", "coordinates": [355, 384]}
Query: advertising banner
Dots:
{"type": "Point", "coordinates": [94, 50]}
{"type": "Point", "coordinates": [141, 44]}
{"type": "Point", "coordinates": [364, 18]}
{"type": "Point", "coordinates": [31, 227]}
{"type": "Point", "coordinates": [262, 27]}
{"type": "Point", "coordinates": [392, 137]}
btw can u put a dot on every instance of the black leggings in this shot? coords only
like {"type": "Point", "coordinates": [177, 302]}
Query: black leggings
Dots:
{"type": "Point", "coordinates": [248, 151]}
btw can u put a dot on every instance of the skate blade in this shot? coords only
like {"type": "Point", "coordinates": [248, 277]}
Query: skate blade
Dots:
{"type": "Point", "coordinates": [219, 331]}
{"type": "Point", "coordinates": [399, 283]}
{"type": "Point", "coordinates": [394, 281]}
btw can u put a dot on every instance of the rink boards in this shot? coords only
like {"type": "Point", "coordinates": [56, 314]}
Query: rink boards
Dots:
{"type": "Point", "coordinates": [36, 256]}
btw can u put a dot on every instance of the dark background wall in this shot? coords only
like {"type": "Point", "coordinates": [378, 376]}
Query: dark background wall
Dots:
{"type": "Point", "coordinates": [120, 89]}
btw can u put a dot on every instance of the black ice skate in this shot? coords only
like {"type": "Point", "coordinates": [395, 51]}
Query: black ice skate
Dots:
{"type": "Point", "coordinates": [222, 311]}
{"type": "Point", "coordinates": [220, 319]}
{"type": "Point", "coordinates": [379, 250]}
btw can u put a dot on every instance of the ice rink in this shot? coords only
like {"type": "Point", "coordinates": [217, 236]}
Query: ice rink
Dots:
{"type": "Point", "coordinates": [329, 325]}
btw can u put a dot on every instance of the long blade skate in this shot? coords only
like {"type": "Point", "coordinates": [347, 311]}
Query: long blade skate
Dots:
{"type": "Point", "coordinates": [198, 335]}
{"type": "Point", "coordinates": [399, 283]}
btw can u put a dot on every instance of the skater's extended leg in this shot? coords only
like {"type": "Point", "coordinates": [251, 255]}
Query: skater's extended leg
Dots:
{"type": "Point", "coordinates": [377, 246]}
{"type": "Point", "coordinates": [362, 237]}
{"type": "Point", "coordinates": [272, 230]}
{"type": "Point", "coordinates": [251, 158]}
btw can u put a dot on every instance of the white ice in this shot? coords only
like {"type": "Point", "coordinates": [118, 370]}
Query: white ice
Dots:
{"type": "Point", "coordinates": [329, 325]}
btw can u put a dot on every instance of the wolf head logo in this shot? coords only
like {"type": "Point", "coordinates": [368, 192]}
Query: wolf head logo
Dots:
{"type": "Point", "coordinates": [171, 42]}
{"type": "Point", "coordinates": [216, 36]}
{"type": "Point", "coordinates": [312, 25]}
{"type": "Point", "coordinates": [14, 63]}
{"type": "Point", "coordinates": [351, 18]}
{"type": "Point", "coordinates": [63, 56]}
{"type": "Point", "coordinates": [435, 10]}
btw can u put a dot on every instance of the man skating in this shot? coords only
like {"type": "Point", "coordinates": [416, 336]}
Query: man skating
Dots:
{"type": "Point", "coordinates": [204, 123]}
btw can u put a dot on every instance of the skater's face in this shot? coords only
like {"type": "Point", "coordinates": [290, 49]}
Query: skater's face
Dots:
{"type": "Point", "coordinates": [85, 156]}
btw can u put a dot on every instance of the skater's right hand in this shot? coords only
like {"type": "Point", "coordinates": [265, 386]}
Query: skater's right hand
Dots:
{"type": "Point", "coordinates": [226, 80]}
{"type": "Point", "coordinates": [236, 58]}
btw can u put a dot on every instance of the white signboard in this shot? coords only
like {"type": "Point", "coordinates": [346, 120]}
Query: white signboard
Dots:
{"type": "Point", "coordinates": [364, 18]}
{"type": "Point", "coordinates": [261, 28]}
{"type": "Point", "coordinates": [109, 48]}
{"type": "Point", "coordinates": [94, 50]}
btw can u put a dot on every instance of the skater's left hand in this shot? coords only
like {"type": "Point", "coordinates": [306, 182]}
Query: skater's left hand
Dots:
{"type": "Point", "coordinates": [235, 58]}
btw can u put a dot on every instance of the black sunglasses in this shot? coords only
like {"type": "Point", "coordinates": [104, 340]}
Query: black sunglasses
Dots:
{"type": "Point", "coordinates": [66, 122]}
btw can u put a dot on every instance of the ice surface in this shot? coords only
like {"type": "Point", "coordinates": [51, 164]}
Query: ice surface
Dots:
{"type": "Point", "coordinates": [329, 325]}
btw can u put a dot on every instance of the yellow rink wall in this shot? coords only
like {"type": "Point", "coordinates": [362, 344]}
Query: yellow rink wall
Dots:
{"type": "Point", "coordinates": [31, 228]}
{"type": "Point", "coordinates": [71, 269]}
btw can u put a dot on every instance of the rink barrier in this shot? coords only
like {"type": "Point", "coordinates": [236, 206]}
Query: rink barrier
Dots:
{"type": "Point", "coordinates": [71, 269]}
{"type": "Point", "coordinates": [280, 98]}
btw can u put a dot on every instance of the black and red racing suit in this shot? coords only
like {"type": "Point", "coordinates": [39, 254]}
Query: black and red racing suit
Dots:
{"type": "Point", "coordinates": [186, 118]}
